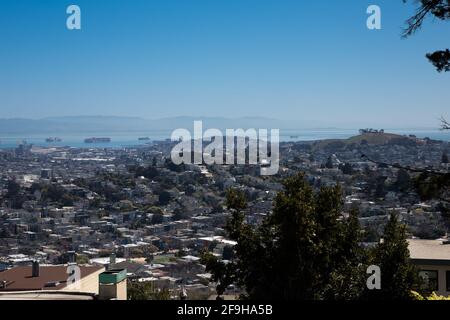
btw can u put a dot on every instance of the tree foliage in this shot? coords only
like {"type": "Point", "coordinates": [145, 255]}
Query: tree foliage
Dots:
{"type": "Point", "coordinates": [431, 186]}
{"type": "Point", "coordinates": [306, 249]}
{"type": "Point", "coordinates": [439, 9]}
{"type": "Point", "coordinates": [146, 291]}
{"type": "Point", "coordinates": [444, 158]}
{"type": "Point", "coordinates": [440, 59]}
{"type": "Point", "coordinates": [398, 276]}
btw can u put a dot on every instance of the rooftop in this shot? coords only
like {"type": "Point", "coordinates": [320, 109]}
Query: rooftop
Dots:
{"type": "Point", "coordinates": [44, 295]}
{"type": "Point", "coordinates": [20, 278]}
{"type": "Point", "coordinates": [429, 250]}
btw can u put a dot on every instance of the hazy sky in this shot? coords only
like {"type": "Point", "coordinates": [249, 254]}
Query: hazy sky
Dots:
{"type": "Point", "coordinates": [286, 59]}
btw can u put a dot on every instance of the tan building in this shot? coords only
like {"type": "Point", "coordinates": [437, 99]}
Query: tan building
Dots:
{"type": "Point", "coordinates": [51, 278]}
{"type": "Point", "coordinates": [432, 257]}
{"type": "Point", "coordinates": [55, 283]}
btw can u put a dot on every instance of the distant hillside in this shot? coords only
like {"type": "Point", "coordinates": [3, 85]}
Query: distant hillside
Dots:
{"type": "Point", "coordinates": [379, 138]}
{"type": "Point", "coordinates": [367, 139]}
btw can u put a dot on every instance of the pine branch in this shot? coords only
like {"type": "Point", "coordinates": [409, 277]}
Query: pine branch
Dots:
{"type": "Point", "coordinates": [445, 125]}
{"type": "Point", "coordinates": [415, 22]}
{"type": "Point", "coordinates": [397, 166]}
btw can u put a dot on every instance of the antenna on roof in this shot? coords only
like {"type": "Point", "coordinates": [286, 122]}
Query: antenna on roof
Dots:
{"type": "Point", "coordinates": [35, 269]}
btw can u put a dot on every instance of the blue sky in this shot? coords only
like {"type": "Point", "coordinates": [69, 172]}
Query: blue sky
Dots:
{"type": "Point", "coordinates": [314, 61]}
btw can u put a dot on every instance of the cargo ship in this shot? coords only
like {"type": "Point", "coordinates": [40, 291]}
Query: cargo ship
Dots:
{"type": "Point", "coordinates": [97, 140]}
{"type": "Point", "coordinates": [53, 139]}
{"type": "Point", "coordinates": [144, 139]}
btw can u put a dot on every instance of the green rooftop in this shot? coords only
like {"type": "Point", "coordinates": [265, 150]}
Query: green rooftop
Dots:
{"type": "Point", "coordinates": [113, 276]}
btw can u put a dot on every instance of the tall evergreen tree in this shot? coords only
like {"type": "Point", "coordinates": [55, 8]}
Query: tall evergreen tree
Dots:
{"type": "Point", "coordinates": [305, 249]}
{"type": "Point", "coordinates": [348, 280]}
{"type": "Point", "coordinates": [398, 276]}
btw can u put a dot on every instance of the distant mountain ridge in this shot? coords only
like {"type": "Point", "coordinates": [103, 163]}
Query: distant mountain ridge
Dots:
{"type": "Point", "coordinates": [54, 126]}
{"type": "Point", "coordinates": [92, 124]}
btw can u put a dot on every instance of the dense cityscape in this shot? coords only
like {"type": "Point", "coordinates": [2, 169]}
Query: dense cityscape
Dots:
{"type": "Point", "coordinates": [224, 158]}
{"type": "Point", "coordinates": [132, 209]}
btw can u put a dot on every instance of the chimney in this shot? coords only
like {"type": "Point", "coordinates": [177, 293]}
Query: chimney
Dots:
{"type": "Point", "coordinates": [113, 285]}
{"type": "Point", "coordinates": [71, 256]}
{"type": "Point", "coordinates": [112, 259]}
{"type": "Point", "coordinates": [35, 269]}
{"type": "Point", "coordinates": [126, 252]}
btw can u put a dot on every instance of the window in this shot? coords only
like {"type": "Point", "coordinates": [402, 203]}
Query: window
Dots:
{"type": "Point", "coordinates": [430, 280]}
{"type": "Point", "coordinates": [448, 280]}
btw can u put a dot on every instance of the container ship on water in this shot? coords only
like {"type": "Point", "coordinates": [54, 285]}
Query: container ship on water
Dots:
{"type": "Point", "coordinates": [53, 139]}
